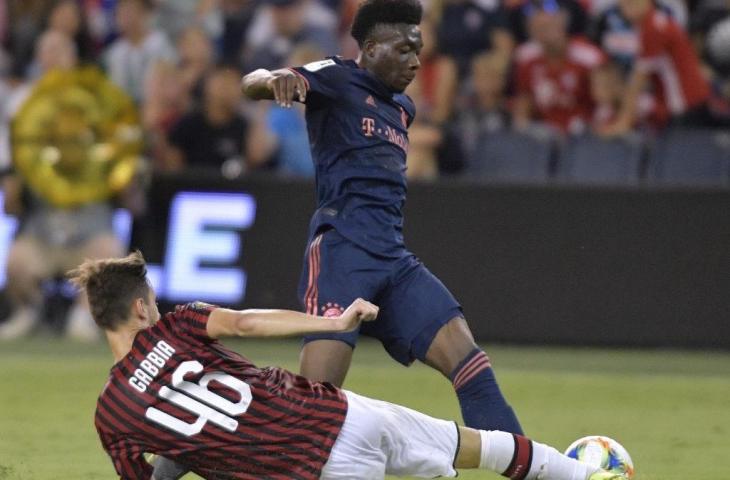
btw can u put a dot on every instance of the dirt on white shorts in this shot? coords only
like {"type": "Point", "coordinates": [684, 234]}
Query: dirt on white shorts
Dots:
{"type": "Point", "coordinates": [380, 438]}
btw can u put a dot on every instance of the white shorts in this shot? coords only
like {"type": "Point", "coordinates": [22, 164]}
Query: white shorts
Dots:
{"type": "Point", "coordinates": [380, 438]}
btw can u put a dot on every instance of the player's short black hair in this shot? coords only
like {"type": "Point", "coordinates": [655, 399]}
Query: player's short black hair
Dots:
{"type": "Point", "coordinates": [374, 12]}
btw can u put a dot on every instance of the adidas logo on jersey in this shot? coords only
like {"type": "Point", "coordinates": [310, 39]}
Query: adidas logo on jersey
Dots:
{"type": "Point", "coordinates": [371, 101]}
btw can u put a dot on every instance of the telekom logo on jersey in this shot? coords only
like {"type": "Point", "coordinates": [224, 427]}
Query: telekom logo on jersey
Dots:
{"type": "Point", "coordinates": [369, 130]}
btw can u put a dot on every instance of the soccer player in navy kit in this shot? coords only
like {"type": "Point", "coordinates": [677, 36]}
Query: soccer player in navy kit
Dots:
{"type": "Point", "coordinates": [358, 117]}
{"type": "Point", "coordinates": [176, 390]}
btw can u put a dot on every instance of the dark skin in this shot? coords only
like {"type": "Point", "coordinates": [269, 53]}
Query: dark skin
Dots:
{"type": "Point", "coordinates": [391, 54]}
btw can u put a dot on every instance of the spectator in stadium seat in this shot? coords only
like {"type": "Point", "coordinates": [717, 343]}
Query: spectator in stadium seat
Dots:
{"type": "Point", "coordinates": [237, 18]}
{"type": "Point", "coordinates": [607, 90]}
{"type": "Point", "coordinates": [433, 91]}
{"type": "Point", "coordinates": [577, 17]}
{"type": "Point", "coordinates": [487, 113]}
{"type": "Point", "coordinates": [175, 16]}
{"type": "Point", "coordinates": [196, 57]}
{"type": "Point", "coordinates": [553, 72]}
{"type": "Point", "coordinates": [711, 35]}
{"type": "Point", "coordinates": [51, 239]}
{"type": "Point", "coordinates": [667, 60]}
{"type": "Point", "coordinates": [284, 24]}
{"type": "Point", "coordinates": [167, 100]}
{"type": "Point", "coordinates": [67, 17]}
{"type": "Point", "coordinates": [217, 135]}
{"type": "Point", "coordinates": [467, 28]}
{"type": "Point", "coordinates": [128, 58]}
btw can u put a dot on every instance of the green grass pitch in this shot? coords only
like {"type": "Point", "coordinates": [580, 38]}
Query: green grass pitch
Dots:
{"type": "Point", "coordinates": [670, 409]}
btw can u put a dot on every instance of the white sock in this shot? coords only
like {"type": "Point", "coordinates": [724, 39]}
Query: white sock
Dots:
{"type": "Point", "coordinates": [520, 458]}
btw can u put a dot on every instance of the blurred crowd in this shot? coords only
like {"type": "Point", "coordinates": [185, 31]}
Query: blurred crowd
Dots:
{"type": "Point", "coordinates": [617, 91]}
{"type": "Point", "coordinates": [548, 68]}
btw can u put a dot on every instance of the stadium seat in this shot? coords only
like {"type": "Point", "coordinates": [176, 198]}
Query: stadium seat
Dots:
{"type": "Point", "coordinates": [690, 157]}
{"type": "Point", "coordinates": [512, 157]}
{"type": "Point", "coordinates": [588, 159]}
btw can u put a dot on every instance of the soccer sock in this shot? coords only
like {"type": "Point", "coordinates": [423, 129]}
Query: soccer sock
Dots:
{"type": "Point", "coordinates": [482, 404]}
{"type": "Point", "coordinates": [520, 458]}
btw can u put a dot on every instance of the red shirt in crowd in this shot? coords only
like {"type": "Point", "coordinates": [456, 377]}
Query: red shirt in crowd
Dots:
{"type": "Point", "coordinates": [667, 55]}
{"type": "Point", "coordinates": [559, 89]}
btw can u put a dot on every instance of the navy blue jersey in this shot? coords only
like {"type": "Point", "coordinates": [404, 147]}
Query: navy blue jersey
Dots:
{"type": "Point", "coordinates": [358, 135]}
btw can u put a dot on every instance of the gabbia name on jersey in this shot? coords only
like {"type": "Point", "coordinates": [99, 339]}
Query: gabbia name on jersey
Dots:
{"type": "Point", "coordinates": [151, 365]}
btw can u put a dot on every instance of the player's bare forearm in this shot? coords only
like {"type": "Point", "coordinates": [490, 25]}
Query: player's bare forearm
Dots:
{"type": "Point", "coordinates": [281, 85]}
{"type": "Point", "coordinates": [255, 85]}
{"type": "Point", "coordinates": [285, 323]}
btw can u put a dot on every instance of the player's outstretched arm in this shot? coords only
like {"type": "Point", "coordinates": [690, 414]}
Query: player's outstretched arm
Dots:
{"type": "Point", "coordinates": [223, 322]}
{"type": "Point", "coordinates": [281, 85]}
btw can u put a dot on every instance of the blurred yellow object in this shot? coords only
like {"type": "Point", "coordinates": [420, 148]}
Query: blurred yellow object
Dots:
{"type": "Point", "coordinates": [76, 139]}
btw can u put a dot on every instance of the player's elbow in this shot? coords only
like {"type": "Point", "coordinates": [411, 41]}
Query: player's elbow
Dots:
{"type": "Point", "coordinates": [254, 84]}
{"type": "Point", "coordinates": [248, 324]}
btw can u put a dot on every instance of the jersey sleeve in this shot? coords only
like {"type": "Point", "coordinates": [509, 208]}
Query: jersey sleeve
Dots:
{"type": "Point", "coordinates": [325, 79]}
{"type": "Point", "coordinates": [192, 319]}
{"type": "Point", "coordinates": [127, 458]}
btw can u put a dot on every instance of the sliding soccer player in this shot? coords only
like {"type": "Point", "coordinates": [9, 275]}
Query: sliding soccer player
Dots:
{"type": "Point", "coordinates": [176, 391]}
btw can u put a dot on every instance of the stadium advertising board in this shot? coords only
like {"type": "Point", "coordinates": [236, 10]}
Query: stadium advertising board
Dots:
{"type": "Point", "coordinates": [529, 264]}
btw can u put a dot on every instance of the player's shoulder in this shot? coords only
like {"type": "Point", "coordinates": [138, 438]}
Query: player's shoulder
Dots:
{"type": "Point", "coordinates": [407, 103]}
{"type": "Point", "coordinates": [194, 308]}
{"type": "Point", "coordinates": [334, 65]}
{"type": "Point", "coordinates": [528, 52]}
{"type": "Point", "coordinates": [584, 53]}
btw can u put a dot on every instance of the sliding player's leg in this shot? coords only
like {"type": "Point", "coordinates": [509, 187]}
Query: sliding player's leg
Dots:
{"type": "Point", "coordinates": [380, 438]}
{"type": "Point", "coordinates": [518, 457]}
{"type": "Point", "coordinates": [426, 323]}
{"type": "Point", "coordinates": [335, 273]}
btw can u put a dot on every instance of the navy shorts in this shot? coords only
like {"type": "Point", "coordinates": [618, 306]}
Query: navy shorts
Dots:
{"type": "Point", "coordinates": [414, 304]}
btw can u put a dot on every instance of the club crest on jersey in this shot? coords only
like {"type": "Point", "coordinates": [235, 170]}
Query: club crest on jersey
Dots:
{"type": "Point", "coordinates": [403, 117]}
{"type": "Point", "coordinates": [332, 310]}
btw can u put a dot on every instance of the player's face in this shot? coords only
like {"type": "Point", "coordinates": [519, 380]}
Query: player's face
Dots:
{"type": "Point", "coordinates": [394, 55]}
{"type": "Point", "coordinates": [154, 312]}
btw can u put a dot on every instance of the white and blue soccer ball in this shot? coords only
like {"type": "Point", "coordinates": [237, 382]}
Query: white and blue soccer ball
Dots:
{"type": "Point", "coordinates": [602, 452]}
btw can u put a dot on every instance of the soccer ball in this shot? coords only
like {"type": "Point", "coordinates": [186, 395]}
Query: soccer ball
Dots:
{"type": "Point", "coordinates": [602, 452]}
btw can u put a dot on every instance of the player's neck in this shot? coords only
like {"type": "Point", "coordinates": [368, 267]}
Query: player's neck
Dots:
{"type": "Point", "coordinates": [120, 341]}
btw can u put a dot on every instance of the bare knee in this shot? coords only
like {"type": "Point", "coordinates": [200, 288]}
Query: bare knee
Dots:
{"type": "Point", "coordinates": [26, 268]}
{"type": "Point", "coordinates": [325, 361]}
{"type": "Point", "coordinates": [450, 345]}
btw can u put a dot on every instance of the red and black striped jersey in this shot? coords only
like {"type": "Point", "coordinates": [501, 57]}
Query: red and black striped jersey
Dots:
{"type": "Point", "coordinates": [180, 394]}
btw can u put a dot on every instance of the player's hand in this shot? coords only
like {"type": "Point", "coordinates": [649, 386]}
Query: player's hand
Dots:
{"type": "Point", "coordinates": [285, 85]}
{"type": "Point", "coordinates": [359, 311]}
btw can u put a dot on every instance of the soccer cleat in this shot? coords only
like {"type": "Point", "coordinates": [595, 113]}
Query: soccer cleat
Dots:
{"type": "Point", "coordinates": [603, 475]}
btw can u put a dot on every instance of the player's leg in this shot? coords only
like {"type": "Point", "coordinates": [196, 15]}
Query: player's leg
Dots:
{"type": "Point", "coordinates": [326, 360]}
{"type": "Point", "coordinates": [411, 443]}
{"type": "Point", "coordinates": [335, 273]}
{"type": "Point", "coordinates": [518, 457]}
{"type": "Point", "coordinates": [428, 325]}
{"type": "Point", "coordinates": [454, 353]}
